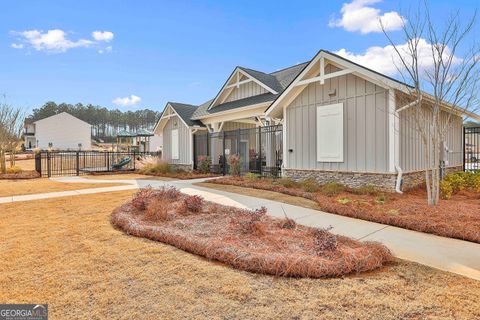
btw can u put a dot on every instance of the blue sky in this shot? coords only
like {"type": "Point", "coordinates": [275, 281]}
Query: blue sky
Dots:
{"type": "Point", "coordinates": [176, 50]}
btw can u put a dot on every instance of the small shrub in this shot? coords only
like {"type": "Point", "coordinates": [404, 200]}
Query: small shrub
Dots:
{"type": "Point", "coordinates": [324, 241]}
{"type": "Point", "coordinates": [14, 170]}
{"type": "Point", "coordinates": [286, 182]}
{"type": "Point", "coordinates": [446, 190]}
{"type": "Point", "coordinates": [366, 189]}
{"type": "Point", "coordinates": [204, 164]}
{"type": "Point", "coordinates": [456, 180]}
{"type": "Point", "coordinates": [141, 199]}
{"type": "Point", "coordinates": [157, 210]}
{"type": "Point", "coordinates": [472, 181]}
{"type": "Point", "coordinates": [287, 223]}
{"type": "Point", "coordinates": [253, 224]}
{"type": "Point", "coordinates": [161, 167]}
{"type": "Point", "coordinates": [234, 163]}
{"type": "Point", "coordinates": [309, 185]}
{"type": "Point", "coordinates": [381, 199]}
{"type": "Point", "coordinates": [344, 200]}
{"type": "Point", "coordinates": [332, 189]}
{"type": "Point", "coordinates": [170, 193]}
{"type": "Point", "coordinates": [250, 176]}
{"type": "Point", "coordinates": [193, 203]}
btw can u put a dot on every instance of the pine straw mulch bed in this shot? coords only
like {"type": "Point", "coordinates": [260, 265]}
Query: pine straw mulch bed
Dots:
{"type": "Point", "coordinates": [27, 174]}
{"type": "Point", "coordinates": [244, 239]}
{"type": "Point", "coordinates": [457, 218]}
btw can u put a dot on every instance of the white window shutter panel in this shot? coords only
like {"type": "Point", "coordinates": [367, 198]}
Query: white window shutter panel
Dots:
{"type": "Point", "coordinates": [175, 146]}
{"type": "Point", "coordinates": [330, 133]}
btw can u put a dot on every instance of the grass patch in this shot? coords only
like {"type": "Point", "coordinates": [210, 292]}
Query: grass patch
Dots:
{"type": "Point", "coordinates": [64, 250]}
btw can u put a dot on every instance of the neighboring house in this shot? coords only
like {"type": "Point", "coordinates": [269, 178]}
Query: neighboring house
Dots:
{"type": "Point", "coordinates": [328, 119]}
{"type": "Point", "coordinates": [60, 132]}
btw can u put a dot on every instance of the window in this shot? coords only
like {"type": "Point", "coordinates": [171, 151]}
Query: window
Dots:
{"type": "Point", "coordinates": [330, 133]}
{"type": "Point", "coordinates": [175, 151]}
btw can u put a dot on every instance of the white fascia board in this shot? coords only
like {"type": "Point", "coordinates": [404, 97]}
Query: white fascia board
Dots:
{"type": "Point", "coordinates": [228, 86]}
{"type": "Point", "coordinates": [250, 107]}
{"type": "Point", "coordinates": [360, 71]}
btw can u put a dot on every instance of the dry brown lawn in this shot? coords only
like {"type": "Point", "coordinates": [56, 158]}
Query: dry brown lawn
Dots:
{"type": "Point", "coordinates": [64, 252]}
{"type": "Point", "coordinates": [28, 164]}
{"type": "Point", "coordinates": [43, 185]}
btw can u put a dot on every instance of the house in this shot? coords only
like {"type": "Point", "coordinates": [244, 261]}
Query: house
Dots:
{"type": "Point", "coordinates": [329, 119]}
{"type": "Point", "coordinates": [61, 132]}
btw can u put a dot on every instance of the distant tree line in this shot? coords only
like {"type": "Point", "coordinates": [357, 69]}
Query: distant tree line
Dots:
{"type": "Point", "coordinates": [105, 122]}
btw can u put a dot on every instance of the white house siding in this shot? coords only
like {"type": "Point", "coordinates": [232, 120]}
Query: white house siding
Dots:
{"type": "Point", "coordinates": [184, 142]}
{"type": "Point", "coordinates": [365, 125]}
{"type": "Point", "coordinates": [411, 146]}
{"type": "Point", "coordinates": [64, 131]}
{"type": "Point", "coordinates": [245, 90]}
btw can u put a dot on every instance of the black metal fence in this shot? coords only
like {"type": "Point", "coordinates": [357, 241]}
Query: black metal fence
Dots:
{"type": "Point", "coordinates": [259, 150]}
{"type": "Point", "coordinates": [75, 163]}
{"type": "Point", "coordinates": [471, 144]}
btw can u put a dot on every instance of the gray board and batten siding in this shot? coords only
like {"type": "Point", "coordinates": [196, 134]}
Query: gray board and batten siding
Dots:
{"type": "Point", "coordinates": [366, 136]}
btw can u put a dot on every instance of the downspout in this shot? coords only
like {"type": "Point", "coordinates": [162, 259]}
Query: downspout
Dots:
{"type": "Point", "coordinates": [398, 185]}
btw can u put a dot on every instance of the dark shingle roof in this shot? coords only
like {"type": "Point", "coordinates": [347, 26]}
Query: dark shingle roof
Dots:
{"type": "Point", "coordinates": [202, 110]}
{"type": "Point", "coordinates": [277, 80]}
{"type": "Point", "coordinates": [185, 111]}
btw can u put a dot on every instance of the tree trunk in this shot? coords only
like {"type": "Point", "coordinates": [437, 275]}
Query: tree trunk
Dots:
{"type": "Point", "coordinates": [3, 165]}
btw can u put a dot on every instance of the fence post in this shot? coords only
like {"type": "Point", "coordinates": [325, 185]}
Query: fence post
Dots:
{"type": "Point", "coordinates": [77, 163]}
{"type": "Point", "coordinates": [224, 156]}
{"type": "Point", "coordinates": [49, 170]}
{"type": "Point", "coordinates": [260, 150]}
{"type": "Point", "coordinates": [38, 162]}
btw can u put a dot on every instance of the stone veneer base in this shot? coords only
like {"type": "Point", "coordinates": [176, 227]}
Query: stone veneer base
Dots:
{"type": "Point", "coordinates": [383, 181]}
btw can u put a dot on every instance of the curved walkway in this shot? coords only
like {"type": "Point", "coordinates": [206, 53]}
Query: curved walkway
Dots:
{"type": "Point", "coordinates": [457, 256]}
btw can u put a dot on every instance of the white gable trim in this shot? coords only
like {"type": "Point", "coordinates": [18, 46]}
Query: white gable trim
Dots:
{"type": "Point", "coordinates": [229, 86]}
{"type": "Point", "coordinates": [166, 116]}
{"type": "Point", "coordinates": [348, 67]}
{"type": "Point", "coordinates": [60, 114]}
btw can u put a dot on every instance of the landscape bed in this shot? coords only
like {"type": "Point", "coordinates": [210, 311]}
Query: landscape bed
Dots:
{"type": "Point", "coordinates": [458, 217]}
{"type": "Point", "coordinates": [247, 240]}
{"type": "Point", "coordinates": [28, 174]}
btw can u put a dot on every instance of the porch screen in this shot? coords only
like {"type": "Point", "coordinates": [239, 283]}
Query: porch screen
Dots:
{"type": "Point", "coordinates": [175, 151]}
{"type": "Point", "coordinates": [330, 133]}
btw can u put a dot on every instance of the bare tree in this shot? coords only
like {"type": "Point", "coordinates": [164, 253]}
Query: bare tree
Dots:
{"type": "Point", "coordinates": [443, 75]}
{"type": "Point", "coordinates": [11, 126]}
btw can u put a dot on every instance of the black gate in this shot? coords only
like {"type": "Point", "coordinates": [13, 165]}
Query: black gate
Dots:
{"type": "Point", "coordinates": [75, 163]}
{"type": "Point", "coordinates": [471, 143]}
{"type": "Point", "coordinates": [259, 149]}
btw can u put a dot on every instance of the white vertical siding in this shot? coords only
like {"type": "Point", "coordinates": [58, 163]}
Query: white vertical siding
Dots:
{"type": "Point", "coordinates": [365, 125]}
{"type": "Point", "coordinates": [184, 142]}
{"type": "Point", "coordinates": [412, 154]}
{"type": "Point", "coordinates": [245, 90]}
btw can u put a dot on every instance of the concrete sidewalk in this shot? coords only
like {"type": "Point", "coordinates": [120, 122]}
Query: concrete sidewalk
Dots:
{"type": "Point", "coordinates": [457, 256]}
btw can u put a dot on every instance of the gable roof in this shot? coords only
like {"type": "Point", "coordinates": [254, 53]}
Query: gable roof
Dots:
{"type": "Point", "coordinates": [63, 114]}
{"type": "Point", "coordinates": [185, 111]}
{"type": "Point", "coordinates": [279, 79]}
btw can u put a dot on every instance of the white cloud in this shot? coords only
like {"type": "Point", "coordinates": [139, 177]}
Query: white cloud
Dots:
{"type": "Point", "coordinates": [105, 50]}
{"type": "Point", "coordinates": [385, 60]}
{"type": "Point", "coordinates": [52, 41]}
{"type": "Point", "coordinates": [127, 101]}
{"type": "Point", "coordinates": [56, 40]}
{"type": "Point", "coordinates": [102, 35]}
{"type": "Point", "coordinates": [359, 16]}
